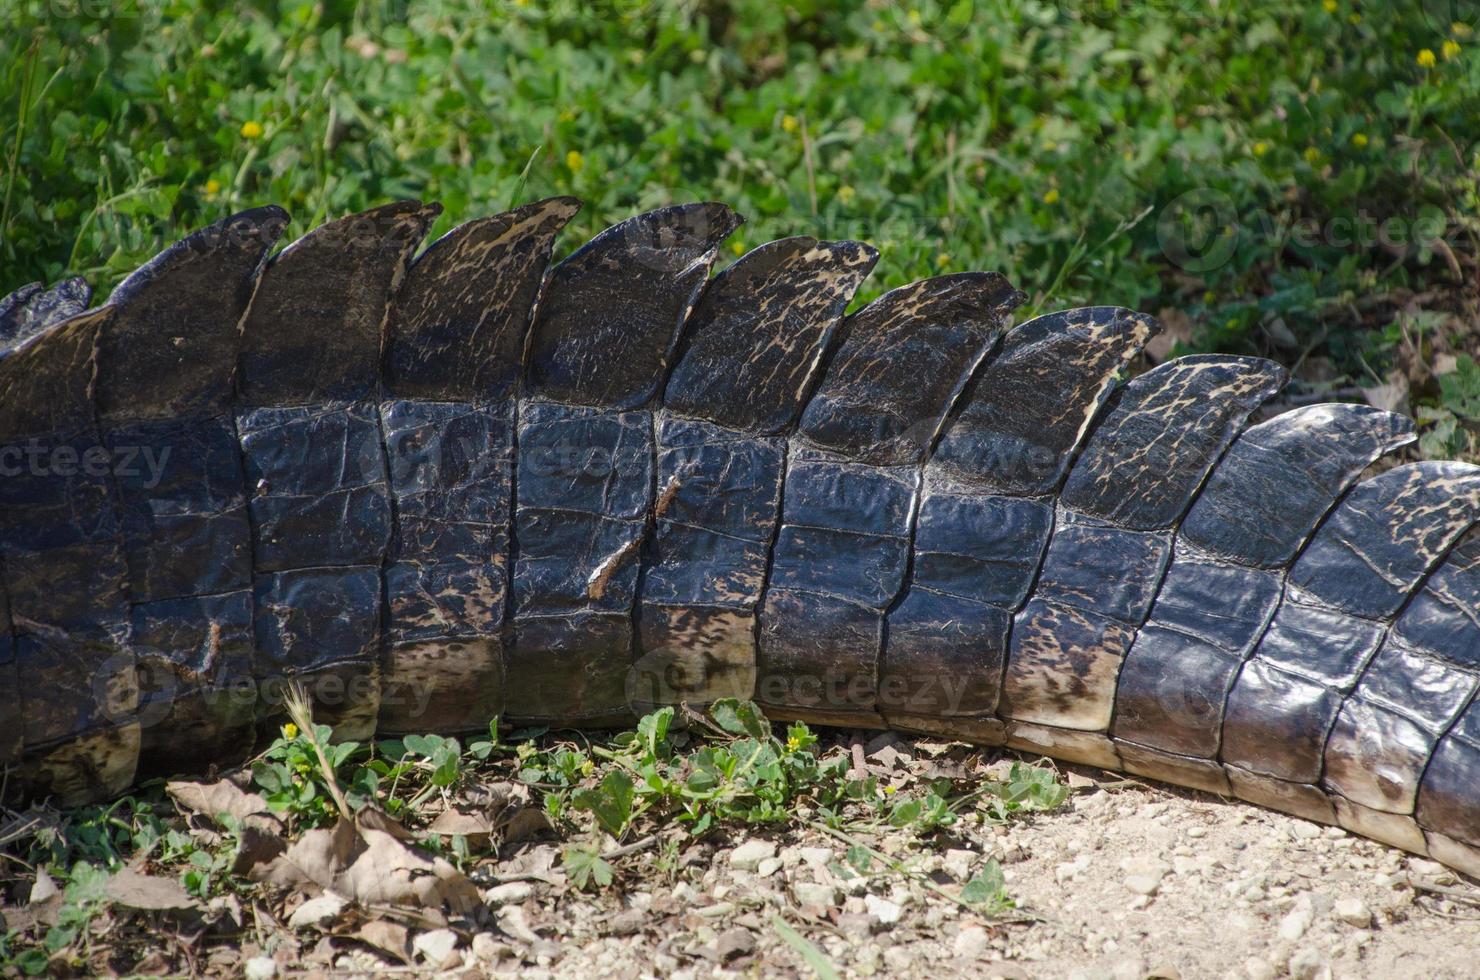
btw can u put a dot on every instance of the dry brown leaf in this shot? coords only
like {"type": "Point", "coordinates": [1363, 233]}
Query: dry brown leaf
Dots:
{"type": "Point", "coordinates": [255, 848]}
{"type": "Point", "coordinates": [136, 890]}
{"type": "Point", "coordinates": [1176, 328]}
{"type": "Point", "coordinates": [1392, 396]}
{"type": "Point", "coordinates": [373, 818]}
{"type": "Point", "coordinates": [390, 938]}
{"type": "Point", "coordinates": [388, 872]}
{"type": "Point", "coordinates": [315, 859]}
{"type": "Point", "coordinates": [476, 827]}
{"type": "Point", "coordinates": [211, 800]}
{"type": "Point", "coordinates": [369, 866]}
{"type": "Point", "coordinates": [523, 823]}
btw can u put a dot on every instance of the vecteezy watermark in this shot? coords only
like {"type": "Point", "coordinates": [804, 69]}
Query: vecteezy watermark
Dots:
{"type": "Point", "coordinates": [1199, 231]}
{"type": "Point", "coordinates": [146, 464]}
{"type": "Point", "coordinates": [669, 675]}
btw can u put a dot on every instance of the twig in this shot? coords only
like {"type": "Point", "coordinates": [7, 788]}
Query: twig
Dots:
{"type": "Point", "coordinates": [1459, 894]}
{"type": "Point", "coordinates": [632, 848]}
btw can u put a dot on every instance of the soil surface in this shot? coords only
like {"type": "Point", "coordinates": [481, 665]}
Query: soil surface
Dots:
{"type": "Point", "coordinates": [1127, 880]}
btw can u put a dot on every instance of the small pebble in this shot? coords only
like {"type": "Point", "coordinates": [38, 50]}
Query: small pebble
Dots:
{"type": "Point", "coordinates": [812, 893]}
{"type": "Point", "coordinates": [435, 946]}
{"type": "Point", "coordinates": [1308, 964]}
{"type": "Point", "coordinates": [260, 968]}
{"type": "Point", "coordinates": [882, 909]}
{"type": "Point", "coordinates": [748, 856]}
{"type": "Point", "coordinates": [1257, 969]}
{"type": "Point", "coordinates": [1142, 884]}
{"type": "Point", "coordinates": [1353, 911]}
{"type": "Point", "coordinates": [1295, 922]}
{"type": "Point", "coordinates": [971, 943]}
{"type": "Point", "coordinates": [509, 893]}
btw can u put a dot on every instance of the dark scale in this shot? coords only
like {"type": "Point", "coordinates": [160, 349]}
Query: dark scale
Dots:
{"type": "Point", "coordinates": [454, 344]}
{"type": "Point", "coordinates": [1258, 509]}
{"type": "Point", "coordinates": [319, 499]}
{"type": "Point", "coordinates": [601, 348]}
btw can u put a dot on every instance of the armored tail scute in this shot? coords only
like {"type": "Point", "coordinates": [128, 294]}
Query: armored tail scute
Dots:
{"type": "Point", "coordinates": [444, 487]}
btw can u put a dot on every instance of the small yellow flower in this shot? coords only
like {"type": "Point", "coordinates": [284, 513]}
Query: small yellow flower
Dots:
{"type": "Point", "coordinates": [1359, 140]}
{"type": "Point", "coordinates": [290, 731]}
{"type": "Point", "coordinates": [1261, 148]}
{"type": "Point", "coordinates": [793, 743]}
{"type": "Point", "coordinates": [1312, 155]}
{"type": "Point", "coordinates": [1426, 59]}
{"type": "Point", "coordinates": [1459, 29]}
{"type": "Point", "coordinates": [588, 767]}
{"type": "Point", "coordinates": [889, 790]}
{"type": "Point", "coordinates": [1052, 197]}
{"type": "Point", "coordinates": [737, 247]}
{"type": "Point", "coordinates": [1449, 49]}
{"type": "Point", "coordinates": [213, 187]}
{"type": "Point", "coordinates": [251, 129]}
{"type": "Point", "coordinates": [1209, 296]}
{"type": "Point", "coordinates": [942, 260]}
{"type": "Point", "coordinates": [1330, 6]}
{"type": "Point", "coordinates": [789, 123]}
{"type": "Point", "coordinates": [846, 194]}
{"type": "Point", "coordinates": [575, 161]}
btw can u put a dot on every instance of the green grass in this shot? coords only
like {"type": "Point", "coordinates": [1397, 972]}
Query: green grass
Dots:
{"type": "Point", "coordinates": [1057, 143]}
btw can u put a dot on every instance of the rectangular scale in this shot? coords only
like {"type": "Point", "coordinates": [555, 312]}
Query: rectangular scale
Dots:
{"type": "Point", "coordinates": [1174, 682]}
{"type": "Point", "coordinates": [188, 543]}
{"type": "Point", "coordinates": [1285, 700]}
{"type": "Point", "coordinates": [196, 701]}
{"type": "Point", "coordinates": [719, 491]}
{"type": "Point", "coordinates": [840, 561]}
{"type": "Point", "coordinates": [976, 555]}
{"type": "Point", "coordinates": [185, 528]}
{"type": "Point", "coordinates": [584, 487]}
{"type": "Point", "coordinates": [1068, 643]}
{"type": "Point", "coordinates": [321, 522]}
{"type": "Point", "coordinates": [317, 484]}
{"type": "Point", "coordinates": [450, 466]}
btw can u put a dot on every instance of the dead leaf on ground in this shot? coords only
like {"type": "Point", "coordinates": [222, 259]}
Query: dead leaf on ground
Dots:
{"type": "Point", "coordinates": [388, 872]}
{"type": "Point", "coordinates": [1392, 396]}
{"type": "Point", "coordinates": [211, 800]}
{"type": "Point", "coordinates": [136, 890]}
{"type": "Point", "coordinates": [370, 866]}
{"type": "Point", "coordinates": [1176, 328]}
{"type": "Point", "coordinates": [523, 823]}
{"type": "Point", "coordinates": [390, 938]}
{"type": "Point", "coordinates": [477, 827]}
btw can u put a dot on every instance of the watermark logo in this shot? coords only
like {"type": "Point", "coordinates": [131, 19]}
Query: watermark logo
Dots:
{"type": "Point", "coordinates": [1199, 230]}
{"type": "Point", "coordinates": [144, 465]}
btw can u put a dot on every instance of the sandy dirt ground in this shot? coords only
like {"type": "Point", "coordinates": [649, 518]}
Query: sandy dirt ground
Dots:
{"type": "Point", "coordinates": [1127, 880]}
